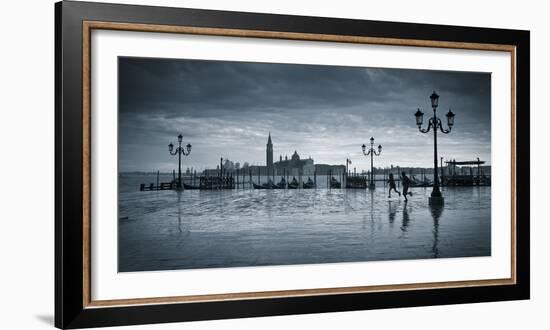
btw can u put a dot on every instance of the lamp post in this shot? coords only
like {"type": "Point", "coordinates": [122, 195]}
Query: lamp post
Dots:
{"type": "Point", "coordinates": [179, 151]}
{"type": "Point", "coordinates": [372, 153]}
{"type": "Point", "coordinates": [348, 162]}
{"type": "Point", "coordinates": [435, 123]}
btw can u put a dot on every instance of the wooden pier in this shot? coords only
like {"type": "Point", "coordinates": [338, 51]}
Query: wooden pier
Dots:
{"type": "Point", "coordinates": [456, 176]}
{"type": "Point", "coordinates": [356, 182]}
{"type": "Point", "coordinates": [194, 183]}
{"type": "Point", "coordinates": [161, 186]}
{"type": "Point", "coordinates": [248, 179]}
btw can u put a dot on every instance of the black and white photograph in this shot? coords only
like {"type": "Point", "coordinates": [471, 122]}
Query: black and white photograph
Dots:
{"type": "Point", "coordinates": [274, 165]}
{"type": "Point", "coordinates": [244, 164]}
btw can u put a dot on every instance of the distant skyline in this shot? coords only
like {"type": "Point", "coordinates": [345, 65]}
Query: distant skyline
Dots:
{"type": "Point", "coordinates": [227, 109]}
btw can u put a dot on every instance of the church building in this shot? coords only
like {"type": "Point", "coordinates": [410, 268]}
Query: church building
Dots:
{"type": "Point", "coordinates": [293, 166]}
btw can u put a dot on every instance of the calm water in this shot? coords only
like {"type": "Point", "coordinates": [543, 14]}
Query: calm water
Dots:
{"type": "Point", "coordinates": [200, 229]}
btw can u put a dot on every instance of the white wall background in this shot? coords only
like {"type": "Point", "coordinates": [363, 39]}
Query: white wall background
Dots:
{"type": "Point", "coordinates": [27, 163]}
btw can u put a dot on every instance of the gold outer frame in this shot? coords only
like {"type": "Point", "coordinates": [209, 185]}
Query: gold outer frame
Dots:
{"type": "Point", "coordinates": [88, 26]}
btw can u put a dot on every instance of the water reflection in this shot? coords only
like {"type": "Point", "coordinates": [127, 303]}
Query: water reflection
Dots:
{"type": "Point", "coordinates": [406, 218]}
{"type": "Point", "coordinates": [478, 195]}
{"type": "Point", "coordinates": [436, 211]}
{"type": "Point", "coordinates": [371, 212]}
{"type": "Point", "coordinates": [203, 229]}
{"type": "Point", "coordinates": [392, 211]}
{"type": "Point", "coordinates": [183, 228]}
{"type": "Point", "coordinates": [179, 211]}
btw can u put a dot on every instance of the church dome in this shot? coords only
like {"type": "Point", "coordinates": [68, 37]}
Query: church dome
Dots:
{"type": "Point", "coordinates": [295, 156]}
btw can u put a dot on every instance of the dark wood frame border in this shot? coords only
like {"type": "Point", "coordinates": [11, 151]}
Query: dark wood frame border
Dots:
{"type": "Point", "coordinates": [89, 26]}
{"type": "Point", "coordinates": [74, 23]}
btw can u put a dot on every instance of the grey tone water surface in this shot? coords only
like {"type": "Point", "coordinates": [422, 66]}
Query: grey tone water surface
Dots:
{"type": "Point", "coordinates": [163, 230]}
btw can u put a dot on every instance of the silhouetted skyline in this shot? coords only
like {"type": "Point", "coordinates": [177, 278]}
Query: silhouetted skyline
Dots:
{"type": "Point", "coordinates": [226, 109]}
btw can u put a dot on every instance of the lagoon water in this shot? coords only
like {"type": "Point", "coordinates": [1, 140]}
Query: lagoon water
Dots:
{"type": "Point", "coordinates": [163, 230]}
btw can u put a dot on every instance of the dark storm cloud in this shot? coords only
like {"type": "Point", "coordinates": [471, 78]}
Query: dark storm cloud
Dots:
{"type": "Point", "coordinates": [227, 108]}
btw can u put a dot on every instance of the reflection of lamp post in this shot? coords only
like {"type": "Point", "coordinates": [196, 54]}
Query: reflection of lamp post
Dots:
{"type": "Point", "coordinates": [436, 211]}
{"type": "Point", "coordinates": [371, 152]}
{"type": "Point", "coordinates": [179, 151]}
{"type": "Point", "coordinates": [435, 123]}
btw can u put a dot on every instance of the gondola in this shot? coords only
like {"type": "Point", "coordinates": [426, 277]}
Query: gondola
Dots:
{"type": "Point", "coordinates": [417, 183]}
{"type": "Point", "coordinates": [270, 185]}
{"type": "Point", "coordinates": [309, 184]}
{"type": "Point", "coordinates": [261, 186]}
{"type": "Point", "coordinates": [190, 187]}
{"type": "Point", "coordinates": [280, 185]}
{"type": "Point", "coordinates": [294, 184]}
{"type": "Point", "coordinates": [335, 183]}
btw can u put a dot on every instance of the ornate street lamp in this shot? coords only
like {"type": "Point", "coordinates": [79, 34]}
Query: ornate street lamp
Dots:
{"type": "Point", "coordinates": [179, 151]}
{"type": "Point", "coordinates": [435, 123]}
{"type": "Point", "coordinates": [348, 162]}
{"type": "Point", "coordinates": [371, 152]}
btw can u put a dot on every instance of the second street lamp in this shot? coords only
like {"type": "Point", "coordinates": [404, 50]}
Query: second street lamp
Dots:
{"type": "Point", "coordinates": [371, 152]}
{"type": "Point", "coordinates": [435, 123]}
{"type": "Point", "coordinates": [348, 162]}
{"type": "Point", "coordinates": [179, 151]}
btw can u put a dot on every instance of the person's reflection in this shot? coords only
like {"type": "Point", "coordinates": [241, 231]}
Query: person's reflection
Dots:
{"type": "Point", "coordinates": [392, 210]}
{"type": "Point", "coordinates": [436, 211]}
{"type": "Point", "coordinates": [406, 219]}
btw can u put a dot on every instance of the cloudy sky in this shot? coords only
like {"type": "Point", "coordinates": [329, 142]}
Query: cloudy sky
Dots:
{"type": "Point", "coordinates": [227, 109]}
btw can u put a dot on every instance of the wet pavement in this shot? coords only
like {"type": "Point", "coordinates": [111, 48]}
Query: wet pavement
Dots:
{"type": "Point", "coordinates": [163, 230]}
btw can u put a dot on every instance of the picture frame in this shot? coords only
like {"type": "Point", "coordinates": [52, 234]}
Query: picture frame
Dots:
{"type": "Point", "coordinates": [74, 304]}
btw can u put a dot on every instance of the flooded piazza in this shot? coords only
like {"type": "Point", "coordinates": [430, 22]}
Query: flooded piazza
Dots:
{"type": "Point", "coordinates": [166, 230]}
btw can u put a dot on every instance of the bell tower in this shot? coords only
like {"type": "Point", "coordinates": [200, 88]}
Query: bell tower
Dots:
{"type": "Point", "coordinates": [269, 152]}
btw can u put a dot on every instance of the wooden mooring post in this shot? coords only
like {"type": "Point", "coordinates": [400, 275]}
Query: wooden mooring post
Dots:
{"type": "Point", "coordinates": [315, 177]}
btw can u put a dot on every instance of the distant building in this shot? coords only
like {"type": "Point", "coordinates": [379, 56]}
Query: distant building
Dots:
{"type": "Point", "coordinates": [295, 166]}
{"type": "Point", "coordinates": [269, 153]}
{"type": "Point", "coordinates": [228, 166]}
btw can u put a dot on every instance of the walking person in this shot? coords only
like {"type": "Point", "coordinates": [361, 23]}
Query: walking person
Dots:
{"type": "Point", "coordinates": [391, 183]}
{"type": "Point", "coordinates": [406, 183]}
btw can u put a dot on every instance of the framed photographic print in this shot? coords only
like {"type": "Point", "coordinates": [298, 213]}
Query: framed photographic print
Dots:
{"type": "Point", "coordinates": [218, 164]}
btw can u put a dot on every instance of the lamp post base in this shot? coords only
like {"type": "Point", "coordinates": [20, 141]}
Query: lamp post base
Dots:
{"type": "Point", "coordinates": [372, 186]}
{"type": "Point", "coordinates": [437, 200]}
{"type": "Point", "coordinates": [179, 188]}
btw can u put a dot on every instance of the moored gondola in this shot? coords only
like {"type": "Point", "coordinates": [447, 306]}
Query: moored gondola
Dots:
{"type": "Point", "coordinates": [280, 185]}
{"type": "Point", "coordinates": [294, 184]}
{"type": "Point", "coordinates": [271, 185]}
{"type": "Point", "coordinates": [335, 183]}
{"type": "Point", "coordinates": [310, 184]}
{"type": "Point", "coordinates": [418, 183]}
{"type": "Point", "coordinates": [261, 186]}
{"type": "Point", "coordinates": [190, 187]}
